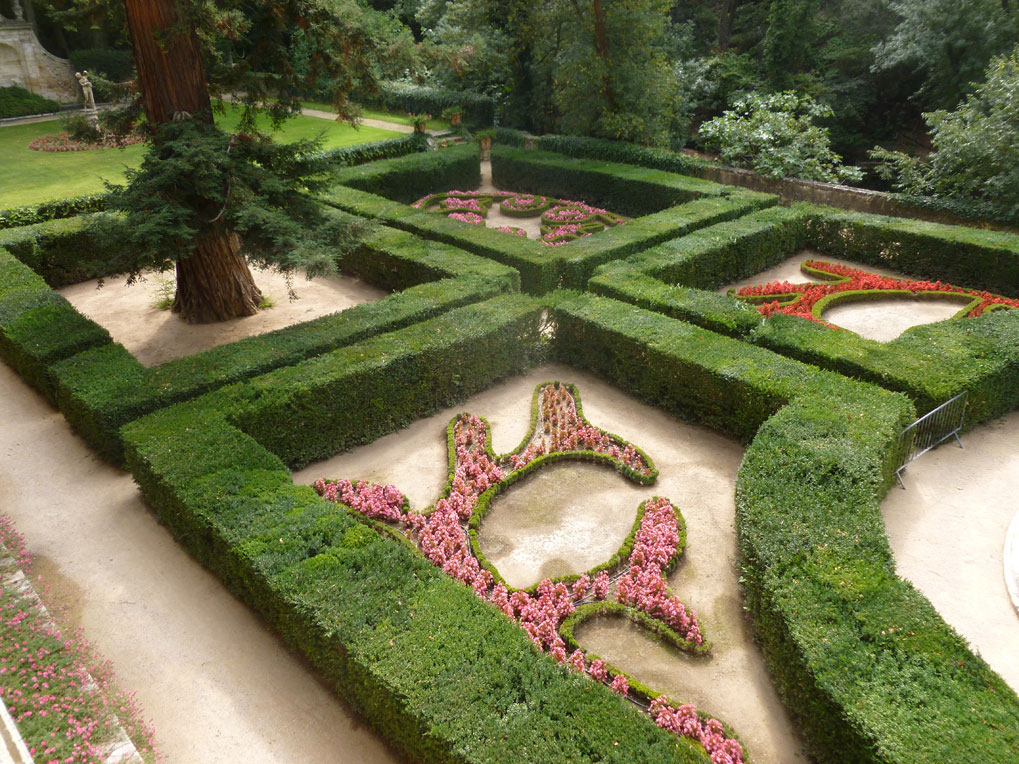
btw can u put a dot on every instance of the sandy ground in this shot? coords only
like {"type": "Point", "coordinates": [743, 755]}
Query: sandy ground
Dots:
{"type": "Point", "coordinates": [880, 320]}
{"type": "Point", "coordinates": [698, 469]}
{"type": "Point", "coordinates": [948, 529]}
{"type": "Point", "coordinates": [532, 530]}
{"type": "Point", "coordinates": [155, 336]}
{"type": "Point", "coordinates": [219, 687]}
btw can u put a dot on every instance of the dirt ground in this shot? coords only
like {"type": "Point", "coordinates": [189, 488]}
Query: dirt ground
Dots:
{"type": "Point", "coordinates": [948, 529]}
{"type": "Point", "coordinates": [880, 320]}
{"type": "Point", "coordinates": [698, 470]}
{"type": "Point", "coordinates": [155, 336]}
{"type": "Point", "coordinates": [218, 685]}
{"type": "Point", "coordinates": [533, 530]}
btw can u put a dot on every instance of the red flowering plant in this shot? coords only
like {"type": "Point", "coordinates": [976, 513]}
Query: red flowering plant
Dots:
{"type": "Point", "coordinates": [841, 282]}
{"type": "Point", "coordinates": [476, 475]}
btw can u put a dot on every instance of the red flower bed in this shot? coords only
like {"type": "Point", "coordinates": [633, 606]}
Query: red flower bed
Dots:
{"type": "Point", "coordinates": [801, 299]}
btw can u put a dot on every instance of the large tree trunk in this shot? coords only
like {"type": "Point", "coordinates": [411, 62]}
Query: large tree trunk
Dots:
{"type": "Point", "coordinates": [213, 281]}
{"type": "Point", "coordinates": [725, 24]}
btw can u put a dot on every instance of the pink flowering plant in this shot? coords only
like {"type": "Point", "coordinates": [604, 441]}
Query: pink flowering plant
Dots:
{"type": "Point", "coordinates": [446, 534]}
{"type": "Point", "coordinates": [58, 692]}
{"type": "Point", "coordinates": [562, 220]}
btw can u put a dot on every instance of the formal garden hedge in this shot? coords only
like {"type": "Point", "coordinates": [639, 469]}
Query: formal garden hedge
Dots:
{"type": "Point", "coordinates": [683, 205]}
{"type": "Point", "coordinates": [442, 675]}
{"type": "Point", "coordinates": [605, 151]}
{"type": "Point", "coordinates": [868, 669]}
{"type": "Point", "coordinates": [930, 363]}
{"type": "Point", "coordinates": [408, 178]}
{"type": "Point", "coordinates": [105, 387]}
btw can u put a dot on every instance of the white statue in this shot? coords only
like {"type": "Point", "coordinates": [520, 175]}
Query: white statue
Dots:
{"type": "Point", "coordinates": [86, 88]}
{"type": "Point", "coordinates": [19, 14]}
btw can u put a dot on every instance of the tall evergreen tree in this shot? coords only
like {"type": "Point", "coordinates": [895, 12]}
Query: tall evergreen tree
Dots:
{"type": "Point", "coordinates": [205, 202]}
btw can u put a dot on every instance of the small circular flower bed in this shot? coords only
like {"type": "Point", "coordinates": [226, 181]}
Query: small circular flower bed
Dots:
{"type": "Point", "coordinates": [63, 142]}
{"type": "Point", "coordinates": [562, 220]}
{"type": "Point", "coordinates": [843, 283]}
{"type": "Point", "coordinates": [445, 537]}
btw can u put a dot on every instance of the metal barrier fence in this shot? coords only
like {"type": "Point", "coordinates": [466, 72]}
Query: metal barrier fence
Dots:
{"type": "Point", "coordinates": [930, 430]}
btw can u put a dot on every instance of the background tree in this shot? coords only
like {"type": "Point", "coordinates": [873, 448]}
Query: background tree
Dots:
{"type": "Point", "coordinates": [775, 135]}
{"type": "Point", "coordinates": [204, 201]}
{"type": "Point", "coordinates": [975, 161]}
{"type": "Point", "coordinates": [950, 42]}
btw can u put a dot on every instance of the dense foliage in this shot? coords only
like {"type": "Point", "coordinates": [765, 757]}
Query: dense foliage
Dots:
{"type": "Point", "coordinates": [776, 136]}
{"type": "Point", "coordinates": [198, 177]}
{"type": "Point", "coordinates": [975, 162]}
{"type": "Point", "coordinates": [15, 101]}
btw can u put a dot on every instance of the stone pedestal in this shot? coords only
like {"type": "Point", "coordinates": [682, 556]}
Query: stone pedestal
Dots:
{"type": "Point", "coordinates": [24, 62]}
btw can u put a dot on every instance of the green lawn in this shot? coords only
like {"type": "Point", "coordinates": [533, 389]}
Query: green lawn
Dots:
{"type": "Point", "coordinates": [31, 177]}
{"type": "Point", "coordinates": [387, 116]}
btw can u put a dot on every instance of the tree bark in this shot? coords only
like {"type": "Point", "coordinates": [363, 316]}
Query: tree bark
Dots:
{"type": "Point", "coordinates": [725, 25]}
{"type": "Point", "coordinates": [213, 280]}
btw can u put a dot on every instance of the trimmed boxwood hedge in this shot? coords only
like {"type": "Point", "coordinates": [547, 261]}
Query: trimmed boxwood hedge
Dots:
{"type": "Point", "coordinates": [955, 254]}
{"type": "Point", "coordinates": [545, 268]}
{"type": "Point", "coordinates": [441, 674]}
{"type": "Point", "coordinates": [63, 252]}
{"type": "Point", "coordinates": [620, 188]}
{"type": "Point", "coordinates": [100, 390]}
{"type": "Point", "coordinates": [408, 178]}
{"type": "Point", "coordinates": [37, 326]}
{"type": "Point", "coordinates": [868, 668]}
{"type": "Point", "coordinates": [605, 151]}
{"type": "Point", "coordinates": [930, 363]}
{"type": "Point", "coordinates": [14, 217]}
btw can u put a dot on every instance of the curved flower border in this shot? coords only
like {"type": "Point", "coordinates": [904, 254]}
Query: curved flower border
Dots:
{"type": "Point", "coordinates": [476, 475]}
{"type": "Point", "coordinates": [843, 283]}
{"type": "Point", "coordinates": [562, 220]}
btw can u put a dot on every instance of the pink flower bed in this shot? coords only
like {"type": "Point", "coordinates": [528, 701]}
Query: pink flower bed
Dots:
{"type": "Point", "coordinates": [560, 428]}
{"type": "Point", "coordinates": [62, 142]}
{"type": "Point", "coordinates": [467, 217]}
{"type": "Point", "coordinates": [442, 537]}
{"type": "Point", "coordinates": [58, 692]}
{"type": "Point", "coordinates": [565, 221]}
{"type": "Point", "coordinates": [644, 586]}
{"type": "Point", "coordinates": [800, 299]}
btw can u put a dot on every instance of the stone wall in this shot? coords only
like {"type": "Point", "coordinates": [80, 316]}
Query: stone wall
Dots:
{"type": "Point", "coordinates": [24, 62]}
{"type": "Point", "coordinates": [845, 197]}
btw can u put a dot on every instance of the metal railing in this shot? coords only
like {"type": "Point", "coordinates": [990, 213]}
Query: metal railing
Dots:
{"type": "Point", "coordinates": [931, 430]}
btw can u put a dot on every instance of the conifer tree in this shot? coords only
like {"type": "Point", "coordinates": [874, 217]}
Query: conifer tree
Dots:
{"type": "Point", "coordinates": [206, 202]}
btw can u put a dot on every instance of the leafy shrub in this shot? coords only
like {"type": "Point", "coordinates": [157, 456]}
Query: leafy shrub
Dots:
{"type": "Point", "coordinates": [974, 167]}
{"type": "Point", "coordinates": [775, 136]}
{"type": "Point", "coordinates": [15, 101]}
{"type": "Point", "coordinates": [118, 65]}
